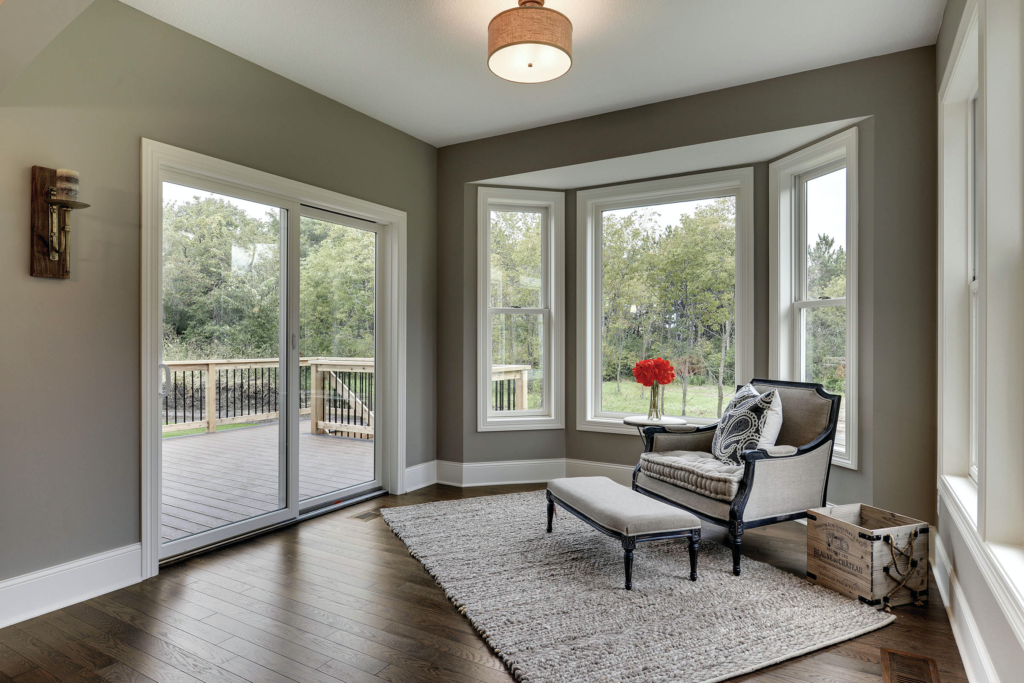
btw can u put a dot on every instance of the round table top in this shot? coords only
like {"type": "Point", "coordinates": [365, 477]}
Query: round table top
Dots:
{"type": "Point", "coordinates": [642, 421]}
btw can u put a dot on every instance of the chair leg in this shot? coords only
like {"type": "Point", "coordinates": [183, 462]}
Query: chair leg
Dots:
{"type": "Point", "coordinates": [628, 544]}
{"type": "Point", "coordinates": [694, 549]}
{"type": "Point", "coordinates": [551, 513]}
{"type": "Point", "coordinates": [736, 540]}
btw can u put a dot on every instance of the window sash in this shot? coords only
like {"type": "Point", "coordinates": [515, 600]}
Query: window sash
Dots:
{"type": "Point", "coordinates": [550, 207]}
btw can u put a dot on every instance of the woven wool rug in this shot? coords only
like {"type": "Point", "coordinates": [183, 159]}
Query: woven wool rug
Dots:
{"type": "Point", "coordinates": [553, 606]}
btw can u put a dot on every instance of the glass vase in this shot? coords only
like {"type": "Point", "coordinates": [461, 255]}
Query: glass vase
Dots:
{"type": "Point", "coordinates": [654, 412]}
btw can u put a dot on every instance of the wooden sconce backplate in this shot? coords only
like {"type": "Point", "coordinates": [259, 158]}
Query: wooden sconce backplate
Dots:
{"type": "Point", "coordinates": [40, 264]}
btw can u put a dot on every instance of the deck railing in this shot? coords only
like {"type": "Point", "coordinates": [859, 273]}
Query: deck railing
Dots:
{"type": "Point", "coordinates": [338, 394]}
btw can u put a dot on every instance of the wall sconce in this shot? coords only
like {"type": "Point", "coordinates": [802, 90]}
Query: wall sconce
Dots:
{"type": "Point", "coordinates": [54, 196]}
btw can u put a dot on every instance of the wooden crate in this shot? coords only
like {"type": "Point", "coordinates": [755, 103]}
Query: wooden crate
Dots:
{"type": "Point", "coordinates": [850, 550]}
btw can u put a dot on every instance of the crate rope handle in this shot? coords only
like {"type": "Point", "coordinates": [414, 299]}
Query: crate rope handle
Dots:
{"type": "Point", "coordinates": [906, 552]}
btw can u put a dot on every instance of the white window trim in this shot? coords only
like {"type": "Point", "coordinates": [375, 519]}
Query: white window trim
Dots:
{"type": "Point", "coordinates": [553, 415]}
{"type": "Point", "coordinates": [160, 160]}
{"type": "Point", "coordinates": [783, 217]}
{"type": "Point", "coordinates": [589, 312]}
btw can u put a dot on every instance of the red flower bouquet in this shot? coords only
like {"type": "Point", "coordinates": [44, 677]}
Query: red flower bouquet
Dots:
{"type": "Point", "coordinates": [654, 373]}
{"type": "Point", "coordinates": [652, 370]}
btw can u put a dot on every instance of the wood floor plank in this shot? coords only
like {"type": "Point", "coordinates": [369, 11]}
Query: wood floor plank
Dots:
{"type": "Point", "coordinates": [338, 599]}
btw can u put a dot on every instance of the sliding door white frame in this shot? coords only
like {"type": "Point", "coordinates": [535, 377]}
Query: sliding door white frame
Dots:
{"type": "Point", "coordinates": [160, 161]}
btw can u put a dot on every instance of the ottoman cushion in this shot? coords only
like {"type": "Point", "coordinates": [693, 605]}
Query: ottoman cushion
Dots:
{"type": "Point", "coordinates": [619, 508]}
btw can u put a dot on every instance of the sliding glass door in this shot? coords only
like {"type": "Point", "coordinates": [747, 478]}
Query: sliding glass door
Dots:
{"type": "Point", "coordinates": [268, 314]}
{"type": "Point", "coordinates": [337, 341]}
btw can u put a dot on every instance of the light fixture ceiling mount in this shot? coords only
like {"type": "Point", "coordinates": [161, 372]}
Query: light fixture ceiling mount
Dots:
{"type": "Point", "coordinates": [529, 43]}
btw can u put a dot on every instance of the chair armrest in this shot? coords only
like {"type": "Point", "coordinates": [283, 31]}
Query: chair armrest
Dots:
{"type": "Point", "coordinates": [658, 439]}
{"type": "Point", "coordinates": [782, 485]}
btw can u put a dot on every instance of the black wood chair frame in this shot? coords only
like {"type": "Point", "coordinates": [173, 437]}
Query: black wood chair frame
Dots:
{"type": "Point", "coordinates": [629, 542]}
{"type": "Point", "coordinates": [736, 524]}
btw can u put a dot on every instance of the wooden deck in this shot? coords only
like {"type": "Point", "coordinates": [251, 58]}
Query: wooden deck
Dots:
{"type": "Point", "coordinates": [210, 480]}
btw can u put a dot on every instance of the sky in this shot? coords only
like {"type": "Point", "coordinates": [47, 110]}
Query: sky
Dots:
{"type": "Point", "coordinates": [826, 209]}
{"type": "Point", "coordinates": [180, 194]}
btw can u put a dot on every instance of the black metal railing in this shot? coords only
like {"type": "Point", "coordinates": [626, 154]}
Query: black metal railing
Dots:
{"type": "Point", "coordinates": [348, 397]}
{"type": "Point", "coordinates": [504, 394]}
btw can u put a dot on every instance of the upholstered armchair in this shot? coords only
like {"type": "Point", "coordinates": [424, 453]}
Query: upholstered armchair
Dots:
{"type": "Point", "coordinates": [771, 485]}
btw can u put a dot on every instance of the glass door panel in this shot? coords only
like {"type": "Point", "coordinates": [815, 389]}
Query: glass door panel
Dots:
{"type": "Point", "coordinates": [337, 341]}
{"type": "Point", "coordinates": [223, 459]}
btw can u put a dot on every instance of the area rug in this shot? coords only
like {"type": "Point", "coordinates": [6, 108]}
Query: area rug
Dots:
{"type": "Point", "coordinates": [553, 606]}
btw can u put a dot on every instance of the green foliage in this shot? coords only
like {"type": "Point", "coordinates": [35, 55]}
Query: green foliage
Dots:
{"type": "Point", "coordinates": [825, 328]}
{"type": "Point", "coordinates": [221, 285]}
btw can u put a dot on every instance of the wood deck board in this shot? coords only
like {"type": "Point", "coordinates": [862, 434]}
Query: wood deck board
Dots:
{"type": "Point", "coordinates": [210, 480]}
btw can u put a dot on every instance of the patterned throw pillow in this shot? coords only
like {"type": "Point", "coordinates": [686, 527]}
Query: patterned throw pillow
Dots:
{"type": "Point", "coordinates": [748, 423]}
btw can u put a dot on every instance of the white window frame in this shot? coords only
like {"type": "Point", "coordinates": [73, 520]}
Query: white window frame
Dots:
{"type": "Point", "coordinates": [552, 207]}
{"type": "Point", "coordinates": [787, 254]}
{"type": "Point", "coordinates": [973, 286]}
{"type": "Point", "coordinates": [589, 306]}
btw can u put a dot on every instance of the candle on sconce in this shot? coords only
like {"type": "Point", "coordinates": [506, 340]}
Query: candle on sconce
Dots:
{"type": "Point", "coordinates": [67, 184]}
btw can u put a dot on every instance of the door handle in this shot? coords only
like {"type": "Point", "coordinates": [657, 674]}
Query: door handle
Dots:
{"type": "Point", "coordinates": [165, 384]}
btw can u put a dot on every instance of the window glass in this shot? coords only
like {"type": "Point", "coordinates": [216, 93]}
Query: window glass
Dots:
{"type": "Point", "coordinates": [826, 235]}
{"type": "Point", "coordinates": [516, 257]}
{"type": "Point", "coordinates": [517, 354]}
{"type": "Point", "coordinates": [668, 289]}
{"type": "Point", "coordinates": [824, 335]}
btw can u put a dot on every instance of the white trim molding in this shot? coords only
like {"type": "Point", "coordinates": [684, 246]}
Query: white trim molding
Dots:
{"type": "Point", "coordinates": [589, 306]}
{"type": "Point", "coordinates": [551, 206]}
{"type": "Point", "coordinates": [161, 161]}
{"type": "Point", "coordinates": [992, 559]}
{"type": "Point", "coordinates": [419, 476]}
{"type": "Point", "coordinates": [976, 659]}
{"type": "Point", "coordinates": [527, 471]}
{"type": "Point", "coordinates": [46, 590]}
{"type": "Point", "coordinates": [783, 341]}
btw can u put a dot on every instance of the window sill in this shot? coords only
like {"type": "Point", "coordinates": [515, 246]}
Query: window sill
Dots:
{"type": "Point", "coordinates": [1001, 564]}
{"type": "Point", "coordinates": [518, 424]}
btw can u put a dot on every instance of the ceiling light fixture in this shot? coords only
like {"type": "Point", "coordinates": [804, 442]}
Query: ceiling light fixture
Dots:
{"type": "Point", "coordinates": [529, 43]}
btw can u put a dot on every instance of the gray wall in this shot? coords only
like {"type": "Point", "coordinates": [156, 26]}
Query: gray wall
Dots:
{"type": "Point", "coordinates": [897, 269]}
{"type": "Point", "coordinates": [69, 409]}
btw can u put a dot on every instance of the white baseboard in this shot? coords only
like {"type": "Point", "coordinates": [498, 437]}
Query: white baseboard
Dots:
{"type": "Point", "coordinates": [418, 476]}
{"type": "Point", "coordinates": [501, 472]}
{"type": "Point", "coordinates": [975, 656]}
{"type": "Point", "coordinates": [31, 595]}
{"type": "Point", "coordinates": [622, 474]}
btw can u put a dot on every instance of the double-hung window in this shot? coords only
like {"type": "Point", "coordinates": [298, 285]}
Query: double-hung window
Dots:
{"type": "Point", "coordinates": [520, 293]}
{"type": "Point", "coordinates": [665, 269]}
{"type": "Point", "coordinates": [813, 291]}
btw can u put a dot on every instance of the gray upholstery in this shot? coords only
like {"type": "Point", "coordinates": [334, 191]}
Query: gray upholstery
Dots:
{"type": "Point", "coordinates": [716, 509]}
{"type": "Point", "coordinates": [694, 441]}
{"type": "Point", "coordinates": [788, 485]}
{"type": "Point", "coordinates": [699, 472]}
{"type": "Point", "coordinates": [619, 508]}
{"type": "Point", "coordinates": [804, 414]}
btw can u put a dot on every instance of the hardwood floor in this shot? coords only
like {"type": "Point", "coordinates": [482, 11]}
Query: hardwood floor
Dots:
{"type": "Point", "coordinates": [210, 480]}
{"type": "Point", "coordinates": [338, 598]}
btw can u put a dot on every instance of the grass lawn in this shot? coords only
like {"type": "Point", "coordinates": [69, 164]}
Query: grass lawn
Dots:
{"type": "Point", "coordinates": [701, 401]}
{"type": "Point", "coordinates": [202, 430]}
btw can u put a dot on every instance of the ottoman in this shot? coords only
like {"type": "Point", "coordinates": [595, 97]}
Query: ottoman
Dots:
{"type": "Point", "coordinates": [622, 513]}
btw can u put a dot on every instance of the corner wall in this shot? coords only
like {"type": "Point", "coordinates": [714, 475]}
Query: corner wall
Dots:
{"type": "Point", "coordinates": [69, 409]}
{"type": "Point", "coordinates": [898, 244]}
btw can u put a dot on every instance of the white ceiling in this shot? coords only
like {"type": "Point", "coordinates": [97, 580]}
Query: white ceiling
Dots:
{"type": "Point", "coordinates": [708, 155]}
{"type": "Point", "coordinates": [420, 65]}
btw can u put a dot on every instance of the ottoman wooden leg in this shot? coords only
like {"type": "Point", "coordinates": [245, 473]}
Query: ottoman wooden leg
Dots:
{"type": "Point", "coordinates": [551, 512]}
{"type": "Point", "coordinates": [628, 544]}
{"type": "Point", "coordinates": [694, 549]}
